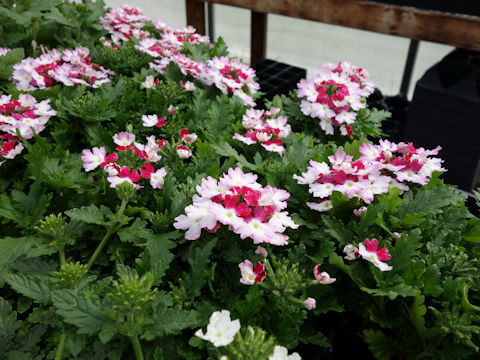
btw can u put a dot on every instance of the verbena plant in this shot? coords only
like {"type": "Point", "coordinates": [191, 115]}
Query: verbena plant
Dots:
{"type": "Point", "coordinates": [149, 210]}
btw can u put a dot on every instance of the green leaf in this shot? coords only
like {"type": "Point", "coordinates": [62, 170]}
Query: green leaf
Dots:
{"type": "Point", "coordinates": [30, 286]}
{"type": "Point", "coordinates": [55, 15]}
{"type": "Point", "coordinates": [337, 261]}
{"type": "Point", "coordinates": [473, 231]}
{"type": "Point", "coordinates": [220, 48]}
{"type": "Point", "coordinates": [8, 324]}
{"type": "Point", "coordinates": [431, 279]}
{"type": "Point", "coordinates": [169, 321]}
{"type": "Point", "coordinates": [352, 148]}
{"type": "Point", "coordinates": [225, 149]}
{"type": "Point", "coordinates": [160, 257]}
{"type": "Point", "coordinates": [137, 230]}
{"type": "Point", "coordinates": [25, 210]}
{"type": "Point", "coordinates": [91, 214]}
{"type": "Point", "coordinates": [75, 343]}
{"type": "Point", "coordinates": [11, 249]}
{"type": "Point", "coordinates": [416, 315]}
{"type": "Point", "coordinates": [8, 60]}
{"type": "Point", "coordinates": [200, 269]}
{"type": "Point", "coordinates": [382, 346]}
{"type": "Point", "coordinates": [405, 249]}
{"type": "Point", "coordinates": [108, 332]}
{"type": "Point", "coordinates": [81, 310]}
{"type": "Point", "coordinates": [38, 6]}
{"type": "Point", "coordinates": [22, 19]}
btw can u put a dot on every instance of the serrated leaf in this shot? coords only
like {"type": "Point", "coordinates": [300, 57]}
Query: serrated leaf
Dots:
{"type": "Point", "coordinates": [336, 260]}
{"type": "Point", "coordinates": [75, 343]}
{"type": "Point", "coordinates": [8, 324]}
{"type": "Point", "coordinates": [81, 310]}
{"type": "Point", "coordinates": [55, 15]}
{"type": "Point", "coordinates": [170, 321]}
{"type": "Point", "coordinates": [108, 332]}
{"type": "Point", "coordinates": [405, 248]}
{"type": "Point", "coordinates": [431, 280]}
{"type": "Point", "coordinates": [136, 231]}
{"type": "Point", "coordinates": [90, 214]}
{"type": "Point", "coordinates": [382, 346]}
{"type": "Point", "coordinates": [200, 270]}
{"type": "Point", "coordinates": [225, 149]}
{"type": "Point", "coordinates": [7, 61]}
{"type": "Point", "coordinates": [23, 18]}
{"type": "Point", "coordinates": [11, 249]}
{"type": "Point", "coordinates": [416, 314]}
{"type": "Point", "coordinates": [29, 286]}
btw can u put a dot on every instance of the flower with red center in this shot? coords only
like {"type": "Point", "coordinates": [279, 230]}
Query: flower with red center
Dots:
{"type": "Point", "coordinates": [153, 120]}
{"type": "Point", "coordinates": [371, 253]}
{"type": "Point", "coordinates": [322, 277]}
{"type": "Point", "coordinates": [251, 275]}
{"type": "Point", "coordinates": [187, 137]}
{"type": "Point", "coordinates": [183, 152]}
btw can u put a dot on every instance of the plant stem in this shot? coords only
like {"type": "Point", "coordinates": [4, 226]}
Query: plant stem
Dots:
{"type": "Point", "coordinates": [137, 348]}
{"type": "Point", "coordinates": [60, 347]}
{"type": "Point", "coordinates": [111, 229]}
{"type": "Point", "coordinates": [61, 254]}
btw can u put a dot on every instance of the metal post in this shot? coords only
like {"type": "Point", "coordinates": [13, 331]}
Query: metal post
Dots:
{"type": "Point", "coordinates": [408, 70]}
{"type": "Point", "coordinates": [211, 22]}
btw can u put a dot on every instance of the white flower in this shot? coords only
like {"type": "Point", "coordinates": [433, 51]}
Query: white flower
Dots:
{"type": "Point", "coordinates": [221, 329]}
{"type": "Point", "coordinates": [281, 353]}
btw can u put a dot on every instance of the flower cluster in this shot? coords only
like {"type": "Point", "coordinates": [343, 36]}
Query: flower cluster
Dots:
{"type": "Point", "coordinates": [380, 168]}
{"type": "Point", "coordinates": [132, 162]}
{"type": "Point", "coordinates": [70, 68]}
{"type": "Point", "coordinates": [10, 147]}
{"type": "Point", "coordinates": [370, 252]}
{"type": "Point", "coordinates": [239, 202]}
{"type": "Point", "coordinates": [334, 95]}
{"type": "Point", "coordinates": [403, 161]}
{"type": "Point", "coordinates": [231, 76]}
{"type": "Point", "coordinates": [265, 127]}
{"type": "Point", "coordinates": [24, 115]}
{"type": "Point", "coordinates": [124, 22]}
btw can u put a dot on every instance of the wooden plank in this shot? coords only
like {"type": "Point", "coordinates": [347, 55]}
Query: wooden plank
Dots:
{"type": "Point", "coordinates": [258, 37]}
{"type": "Point", "coordinates": [196, 15]}
{"type": "Point", "coordinates": [453, 29]}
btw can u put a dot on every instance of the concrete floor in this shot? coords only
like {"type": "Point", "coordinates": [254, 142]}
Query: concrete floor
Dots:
{"type": "Point", "coordinates": [309, 44]}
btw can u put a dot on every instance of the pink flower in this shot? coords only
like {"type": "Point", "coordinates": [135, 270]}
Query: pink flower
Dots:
{"type": "Point", "coordinates": [252, 275]}
{"type": "Point", "coordinates": [153, 120]}
{"type": "Point", "coordinates": [371, 254]}
{"type": "Point", "coordinates": [187, 137]}
{"type": "Point", "coordinates": [124, 138]}
{"type": "Point", "coordinates": [351, 252]}
{"type": "Point", "coordinates": [172, 109]}
{"type": "Point", "coordinates": [157, 178]}
{"type": "Point", "coordinates": [361, 210]}
{"type": "Point", "coordinates": [183, 152]}
{"type": "Point", "coordinates": [397, 235]}
{"type": "Point", "coordinates": [93, 159]}
{"type": "Point", "coordinates": [189, 86]}
{"type": "Point", "coordinates": [310, 303]}
{"type": "Point", "coordinates": [261, 251]}
{"type": "Point", "coordinates": [149, 82]}
{"type": "Point", "coordinates": [322, 277]}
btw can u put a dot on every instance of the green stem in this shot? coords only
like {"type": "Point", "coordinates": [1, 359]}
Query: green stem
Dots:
{"type": "Point", "coordinates": [61, 254]}
{"type": "Point", "coordinates": [111, 230]}
{"type": "Point", "coordinates": [137, 348]}
{"type": "Point", "coordinates": [60, 347]}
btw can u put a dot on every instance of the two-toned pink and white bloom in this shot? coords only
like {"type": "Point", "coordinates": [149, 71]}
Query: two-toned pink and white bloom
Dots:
{"type": "Point", "coordinates": [153, 120]}
{"type": "Point", "coordinates": [187, 137]}
{"type": "Point", "coordinates": [242, 204]}
{"type": "Point", "coordinates": [322, 276]}
{"type": "Point", "coordinates": [24, 115]}
{"type": "Point", "coordinates": [183, 152]}
{"type": "Point", "coordinates": [251, 275]}
{"type": "Point", "coordinates": [145, 155]}
{"type": "Point", "coordinates": [265, 128]}
{"type": "Point", "coordinates": [370, 252]}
